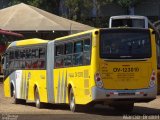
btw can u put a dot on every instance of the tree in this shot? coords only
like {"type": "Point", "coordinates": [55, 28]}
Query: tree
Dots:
{"type": "Point", "coordinates": [77, 9]}
{"type": "Point", "coordinates": [80, 10]}
{"type": "Point", "coordinates": [48, 5]}
{"type": "Point", "coordinates": [127, 4]}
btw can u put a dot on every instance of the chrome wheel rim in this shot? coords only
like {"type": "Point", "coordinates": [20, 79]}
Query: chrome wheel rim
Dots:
{"type": "Point", "coordinates": [72, 103]}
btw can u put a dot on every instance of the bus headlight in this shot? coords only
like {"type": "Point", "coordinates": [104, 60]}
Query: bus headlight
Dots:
{"type": "Point", "coordinates": [98, 80]}
{"type": "Point", "coordinates": [152, 79]}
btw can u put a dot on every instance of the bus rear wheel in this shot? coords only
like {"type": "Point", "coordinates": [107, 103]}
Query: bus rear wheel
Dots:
{"type": "Point", "coordinates": [37, 99]}
{"type": "Point", "coordinates": [73, 106]}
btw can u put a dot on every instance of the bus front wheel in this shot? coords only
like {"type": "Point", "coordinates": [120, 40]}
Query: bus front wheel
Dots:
{"type": "Point", "coordinates": [15, 100]}
{"type": "Point", "coordinates": [37, 99]}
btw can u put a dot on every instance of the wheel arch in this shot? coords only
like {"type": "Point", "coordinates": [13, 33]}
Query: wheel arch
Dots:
{"type": "Point", "coordinates": [12, 87]}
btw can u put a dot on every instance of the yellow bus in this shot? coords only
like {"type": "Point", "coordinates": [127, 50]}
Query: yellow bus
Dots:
{"type": "Point", "coordinates": [115, 66]}
{"type": "Point", "coordinates": [137, 21]}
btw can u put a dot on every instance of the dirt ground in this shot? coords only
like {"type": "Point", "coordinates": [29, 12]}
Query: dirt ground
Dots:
{"type": "Point", "coordinates": [61, 111]}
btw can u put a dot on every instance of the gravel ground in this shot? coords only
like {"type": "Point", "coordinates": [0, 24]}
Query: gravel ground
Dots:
{"type": "Point", "coordinates": [29, 111]}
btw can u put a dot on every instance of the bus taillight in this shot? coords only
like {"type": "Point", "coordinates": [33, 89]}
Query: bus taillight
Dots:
{"type": "Point", "coordinates": [98, 80]}
{"type": "Point", "coordinates": [152, 79]}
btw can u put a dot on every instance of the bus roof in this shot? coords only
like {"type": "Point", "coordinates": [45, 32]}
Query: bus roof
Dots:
{"type": "Point", "coordinates": [73, 35]}
{"type": "Point", "coordinates": [128, 17]}
{"type": "Point", "coordinates": [27, 42]}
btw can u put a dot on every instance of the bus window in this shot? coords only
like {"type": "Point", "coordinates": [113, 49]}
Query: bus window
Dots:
{"type": "Point", "coordinates": [11, 55]}
{"type": "Point", "coordinates": [78, 53]}
{"type": "Point", "coordinates": [68, 56]}
{"type": "Point", "coordinates": [28, 53]}
{"type": "Point", "coordinates": [11, 64]}
{"type": "Point", "coordinates": [28, 64]}
{"type": "Point", "coordinates": [87, 46]}
{"type": "Point", "coordinates": [131, 45]}
{"type": "Point", "coordinates": [16, 64]}
{"type": "Point", "coordinates": [22, 54]}
{"type": "Point", "coordinates": [59, 62]}
{"type": "Point", "coordinates": [41, 64]}
{"type": "Point", "coordinates": [17, 55]}
{"type": "Point", "coordinates": [42, 53]}
{"type": "Point", "coordinates": [59, 50]}
{"type": "Point", "coordinates": [34, 63]}
{"type": "Point", "coordinates": [35, 53]}
{"type": "Point", "coordinates": [59, 56]}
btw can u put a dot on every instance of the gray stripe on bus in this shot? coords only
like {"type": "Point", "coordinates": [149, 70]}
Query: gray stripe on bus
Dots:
{"type": "Point", "coordinates": [13, 44]}
{"type": "Point", "coordinates": [50, 74]}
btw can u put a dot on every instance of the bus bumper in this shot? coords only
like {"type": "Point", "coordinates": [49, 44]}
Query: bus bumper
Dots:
{"type": "Point", "coordinates": [137, 95]}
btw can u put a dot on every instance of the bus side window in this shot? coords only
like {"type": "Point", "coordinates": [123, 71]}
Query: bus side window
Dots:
{"type": "Point", "coordinates": [28, 64]}
{"type": "Point", "coordinates": [68, 54]}
{"type": "Point", "coordinates": [59, 56]}
{"type": "Point", "coordinates": [78, 53]}
{"type": "Point", "coordinates": [11, 55]}
{"type": "Point", "coordinates": [42, 53]}
{"type": "Point", "coordinates": [17, 55]}
{"type": "Point", "coordinates": [22, 54]}
{"type": "Point", "coordinates": [87, 51]}
{"type": "Point", "coordinates": [41, 61]}
{"type": "Point", "coordinates": [35, 53]}
{"type": "Point", "coordinates": [28, 53]}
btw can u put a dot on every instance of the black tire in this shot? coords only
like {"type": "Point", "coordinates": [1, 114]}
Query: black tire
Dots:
{"type": "Point", "coordinates": [73, 106]}
{"type": "Point", "coordinates": [15, 100]}
{"type": "Point", "coordinates": [37, 99]}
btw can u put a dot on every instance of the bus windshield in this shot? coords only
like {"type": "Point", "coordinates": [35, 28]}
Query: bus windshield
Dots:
{"type": "Point", "coordinates": [125, 43]}
{"type": "Point", "coordinates": [128, 23]}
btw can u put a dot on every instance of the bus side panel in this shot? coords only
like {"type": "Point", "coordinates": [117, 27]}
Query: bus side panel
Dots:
{"type": "Point", "coordinates": [81, 83]}
{"type": "Point", "coordinates": [42, 85]}
{"type": "Point", "coordinates": [80, 80]}
{"type": "Point", "coordinates": [7, 88]}
{"type": "Point", "coordinates": [37, 78]}
{"type": "Point", "coordinates": [60, 85]}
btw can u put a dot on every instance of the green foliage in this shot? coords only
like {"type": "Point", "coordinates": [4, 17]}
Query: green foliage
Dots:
{"type": "Point", "coordinates": [80, 10]}
{"type": "Point", "coordinates": [77, 8]}
{"type": "Point", "coordinates": [126, 3]}
{"type": "Point", "coordinates": [48, 5]}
